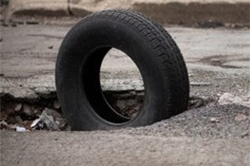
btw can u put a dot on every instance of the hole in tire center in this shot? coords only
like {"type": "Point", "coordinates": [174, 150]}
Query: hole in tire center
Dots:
{"type": "Point", "coordinates": [122, 83]}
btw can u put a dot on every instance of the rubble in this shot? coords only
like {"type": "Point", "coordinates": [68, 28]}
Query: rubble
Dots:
{"type": "Point", "coordinates": [56, 104]}
{"type": "Point", "coordinates": [35, 123]}
{"type": "Point", "coordinates": [228, 98]}
{"type": "Point", "coordinates": [11, 120]}
{"type": "Point", "coordinates": [51, 120]}
{"type": "Point", "coordinates": [20, 129]}
{"type": "Point", "coordinates": [240, 117]}
{"type": "Point", "coordinates": [50, 47]}
{"type": "Point", "coordinates": [31, 115]}
{"type": "Point", "coordinates": [19, 120]}
{"type": "Point", "coordinates": [3, 125]}
{"type": "Point", "coordinates": [195, 102]}
{"type": "Point", "coordinates": [12, 126]}
{"type": "Point", "coordinates": [18, 107]}
{"type": "Point", "coordinates": [28, 111]}
{"type": "Point", "coordinates": [214, 120]}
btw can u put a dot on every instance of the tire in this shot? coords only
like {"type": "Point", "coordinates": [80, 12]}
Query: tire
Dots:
{"type": "Point", "coordinates": [151, 48]}
{"type": "Point", "coordinates": [174, 52]}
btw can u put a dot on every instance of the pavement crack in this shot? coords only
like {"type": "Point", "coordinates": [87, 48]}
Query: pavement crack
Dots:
{"type": "Point", "coordinates": [69, 9]}
{"type": "Point", "coordinates": [46, 36]}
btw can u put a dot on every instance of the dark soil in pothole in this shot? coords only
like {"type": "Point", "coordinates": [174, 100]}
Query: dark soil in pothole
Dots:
{"type": "Point", "coordinates": [16, 112]}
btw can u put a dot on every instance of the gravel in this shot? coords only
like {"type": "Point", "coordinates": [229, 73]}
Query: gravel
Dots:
{"type": "Point", "coordinates": [211, 121]}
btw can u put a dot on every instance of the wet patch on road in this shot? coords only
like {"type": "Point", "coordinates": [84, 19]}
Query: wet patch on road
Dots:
{"type": "Point", "coordinates": [224, 61]}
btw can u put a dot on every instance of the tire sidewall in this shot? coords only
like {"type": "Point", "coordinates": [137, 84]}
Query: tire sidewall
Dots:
{"type": "Point", "coordinates": [76, 47]}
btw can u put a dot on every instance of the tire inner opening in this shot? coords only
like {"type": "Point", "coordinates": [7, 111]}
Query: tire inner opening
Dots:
{"type": "Point", "coordinates": [115, 92]}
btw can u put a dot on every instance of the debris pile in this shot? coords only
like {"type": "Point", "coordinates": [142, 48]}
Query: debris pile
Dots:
{"type": "Point", "coordinates": [24, 117]}
{"type": "Point", "coordinates": [127, 103]}
{"type": "Point", "coordinates": [47, 115]}
{"type": "Point", "coordinates": [51, 120]}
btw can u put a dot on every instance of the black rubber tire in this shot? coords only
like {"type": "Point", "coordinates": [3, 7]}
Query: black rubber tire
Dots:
{"type": "Point", "coordinates": [151, 48]}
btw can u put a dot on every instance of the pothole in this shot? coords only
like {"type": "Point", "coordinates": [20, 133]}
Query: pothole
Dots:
{"type": "Point", "coordinates": [197, 102]}
{"type": "Point", "coordinates": [125, 80]}
{"type": "Point", "coordinates": [15, 113]}
{"type": "Point", "coordinates": [227, 62]}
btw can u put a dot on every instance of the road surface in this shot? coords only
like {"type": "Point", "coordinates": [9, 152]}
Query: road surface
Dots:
{"type": "Point", "coordinates": [218, 62]}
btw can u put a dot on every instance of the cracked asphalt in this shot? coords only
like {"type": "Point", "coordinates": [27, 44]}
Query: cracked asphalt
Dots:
{"type": "Point", "coordinates": [218, 61]}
